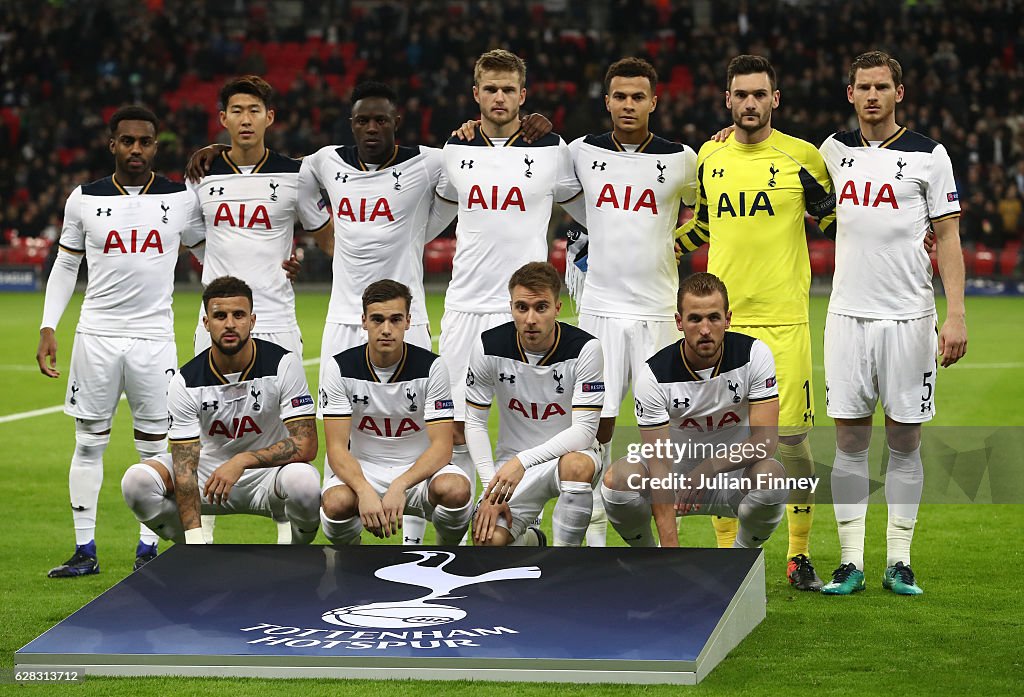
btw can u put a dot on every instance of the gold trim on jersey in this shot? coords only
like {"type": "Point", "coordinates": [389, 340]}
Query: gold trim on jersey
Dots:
{"type": "Point", "coordinates": [398, 370]}
{"type": "Point", "coordinates": [299, 417]}
{"type": "Point", "coordinates": [441, 420]}
{"type": "Point", "coordinates": [653, 427]}
{"type": "Point", "coordinates": [337, 418]}
{"type": "Point", "coordinates": [511, 139]}
{"type": "Point", "coordinates": [124, 192]}
{"type": "Point", "coordinates": [640, 148]}
{"type": "Point", "coordinates": [69, 250]}
{"type": "Point", "coordinates": [475, 405]}
{"type": "Point", "coordinates": [245, 372]}
{"type": "Point", "coordinates": [947, 216]}
{"type": "Point", "coordinates": [182, 441]}
{"type": "Point", "coordinates": [718, 365]}
{"type": "Point", "coordinates": [888, 141]}
{"type": "Point", "coordinates": [582, 408]}
{"type": "Point", "coordinates": [237, 169]}
{"type": "Point", "coordinates": [762, 400]}
{"type": "Point", "coordinates": [387, 163]}
{"type": "Point", "coordinates": [547, 355]}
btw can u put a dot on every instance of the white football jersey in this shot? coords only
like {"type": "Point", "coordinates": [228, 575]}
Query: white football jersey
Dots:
{"type": "Point", "coordinates": [130, 243]}
{"type": "Point", "coordinates": [715, 409]}
{"type": "Point", "coordinates": [250, 224]}
{"type": "Point", "coordinates": [632, 211]}
{"type": "Point", "coordinates": [389, 419]}
{"type": "Point", "coordinates": [231, 416]}
{"type": "Point", "coordinates": [505, 196]}
{"type": "Point", "coordinates": [887, 197]}
{"type": "Point", "coordinates": [382, 219]}
{"type": "Point", "coordinates": [535, 401]}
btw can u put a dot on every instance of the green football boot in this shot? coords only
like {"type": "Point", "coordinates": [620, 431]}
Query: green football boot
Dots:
{"type": "Point", "coordinates": [846, 580]}
{"type": "Point", "coordinates": [899, 578]}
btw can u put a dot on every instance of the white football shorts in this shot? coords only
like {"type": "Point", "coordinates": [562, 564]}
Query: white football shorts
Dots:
{"type": "Point", "coordinates": [871, 359]}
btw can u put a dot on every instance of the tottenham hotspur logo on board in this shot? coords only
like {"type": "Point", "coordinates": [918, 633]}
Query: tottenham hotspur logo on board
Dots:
{"type": "Point", "coordinates": [423, 611]}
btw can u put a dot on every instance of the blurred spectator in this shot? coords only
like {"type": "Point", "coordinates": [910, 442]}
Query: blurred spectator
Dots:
{"type": "Point", "coordinates": [65, 66]}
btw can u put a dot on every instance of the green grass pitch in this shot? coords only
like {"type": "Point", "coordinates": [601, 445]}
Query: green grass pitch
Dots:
{"type": "Point", "coordinates": [958, 638]}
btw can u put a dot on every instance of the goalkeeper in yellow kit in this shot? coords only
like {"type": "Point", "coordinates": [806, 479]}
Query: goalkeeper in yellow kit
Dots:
{"type": "Point", "coordinates": [754, 188]}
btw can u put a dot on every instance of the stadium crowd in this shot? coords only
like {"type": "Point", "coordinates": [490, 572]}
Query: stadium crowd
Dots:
{"type": "Point", "coordinates": [963, 63]}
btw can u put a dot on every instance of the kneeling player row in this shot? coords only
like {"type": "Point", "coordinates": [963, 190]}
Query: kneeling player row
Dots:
{"type": "Point", "coordinates": [242, 427]}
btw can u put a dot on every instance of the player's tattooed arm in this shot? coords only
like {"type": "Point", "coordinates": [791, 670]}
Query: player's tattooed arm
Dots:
{"type": "Point", "coordinates": [186, 482]}
{"type": "Point", "coordinates": [301, 445]}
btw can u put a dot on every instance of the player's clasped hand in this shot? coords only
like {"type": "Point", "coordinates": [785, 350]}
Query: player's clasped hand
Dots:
{"type": "Point", "coordinates": [688, 498]}
{"type": "Point", "coordinates": [486, 519]}
{"type": "Point", "coordinates": [505, 481]}
{"type": "Point", "coordinates": [394, 506]}
{"type": "Point", "coordinates": [218, 486]}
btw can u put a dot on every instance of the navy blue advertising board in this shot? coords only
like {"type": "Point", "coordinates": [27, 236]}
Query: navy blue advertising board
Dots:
{"type": "Point", "coordinates": [366, 606]}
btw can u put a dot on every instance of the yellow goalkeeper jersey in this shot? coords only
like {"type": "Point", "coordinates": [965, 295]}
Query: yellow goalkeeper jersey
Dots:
{"type": "Point", "coordinates": [750, 208]}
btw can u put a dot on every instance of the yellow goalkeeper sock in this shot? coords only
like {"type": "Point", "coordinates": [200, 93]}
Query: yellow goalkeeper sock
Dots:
{"type": "Point", "coordinates": [798, 462]}
{"type": "Point", "coordinates": [725, 530]}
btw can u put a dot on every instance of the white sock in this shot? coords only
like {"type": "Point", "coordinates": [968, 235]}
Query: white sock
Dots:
{"type": "Point", "coordinates": [850, 499]}
{"type": "Point", "coordinates": [146, 495]}
{"type": "Point", "coordinates": [899, 533]}
{"type": "Point", "coordinates": [464, 461]}
{"type": "Point", "coordinates": [759, 513]}
{"type": "Point", "coordinates": [904, 482]}
{"type": "Point", "coordinates": [208, 522]}
{"type": "Point", "coordinates": [450, 524]}
{"type": "Point", "coordinates": [572, 513]}
{"type": "Point", "coordinates": [414, 529]}
{"type": "Point", "coordinates": [630, 515]}
{"type": "Point", "coordinates": [298, 483]}
{"type": "Point", "coordinates": [597, 531]}
{"type": "Point", "coordinates": [342, 532]}
{"type": "Point", "coordinates": [84, 481]}
{"type": "Point", "coordinates": [148, 449]}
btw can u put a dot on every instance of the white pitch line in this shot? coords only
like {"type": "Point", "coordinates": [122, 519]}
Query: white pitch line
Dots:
{"type": "Point", "coordinates": [964, 366]}
{"type": "Point", "coordinates": [315, 361]}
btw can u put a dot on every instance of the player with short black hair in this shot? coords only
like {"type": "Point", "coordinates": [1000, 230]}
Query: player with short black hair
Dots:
{"type": "Point", "coordinates": [713, 396]}
{"type": "Point", "coordinates": [881, 337]}
{"type": "Point", "coordinates": [755, 188]}
{"type": "Point", "coordinates": [249, 197]}
{"type": "Point", "coordinates": [388, 423]}
{"type": "Point", "coordinates": [242, 432]}
{"type": "Point", "coordinates": [547, 380]}
{"type": "Point", "coordinates": [633, 182]}
{"type": "Point", "coordinates": [129, 227]}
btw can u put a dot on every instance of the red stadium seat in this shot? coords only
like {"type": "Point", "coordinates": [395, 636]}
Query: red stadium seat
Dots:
{"type": "Point", "coordinates": [822, 254]}
{"type": "Point", "coordinates": [557, 256]}
{"type": "Point", "coordinates": [699, 260]}
{"type": "Point", "coordinates": [984, 262]}
{"type": "Point", "coordinates": [438, 255]}
{"type": "Point", "coordinates": [1009, 258]}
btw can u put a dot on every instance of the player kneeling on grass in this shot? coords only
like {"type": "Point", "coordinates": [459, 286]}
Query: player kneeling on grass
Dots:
{"type": "Point", "coordinates": [548, 380]}
{"type": "Point", "coordinates": [708, 411]}
{"type": "Point", "coordinates": [242, 432]}
{"type": "Point", "coordinates": [388, 421]}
